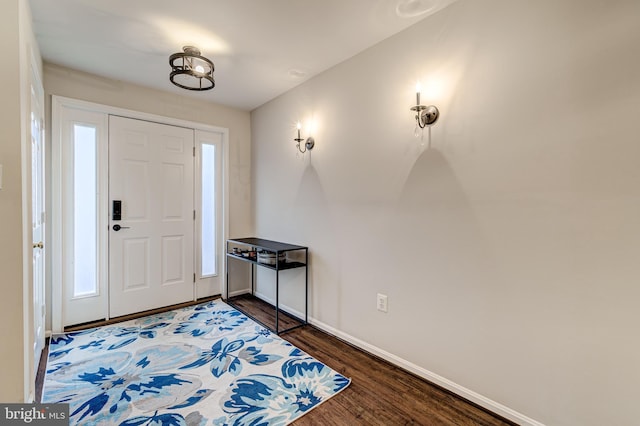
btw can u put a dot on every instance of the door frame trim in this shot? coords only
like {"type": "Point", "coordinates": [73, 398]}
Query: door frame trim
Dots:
{"type": "Point", "coordinates": [58, 103]}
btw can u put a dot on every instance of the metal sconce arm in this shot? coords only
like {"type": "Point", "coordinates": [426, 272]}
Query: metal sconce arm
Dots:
{"type": "Point", "coordinates": [426, 115]}
{"type": "Point", "coordinates": [309, 143]}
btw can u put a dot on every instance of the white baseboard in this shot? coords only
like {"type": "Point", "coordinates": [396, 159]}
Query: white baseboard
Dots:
{"type": "Point", "coordinates": [239, 292]}
{"type": "Point", "coordinates": [468, 394]}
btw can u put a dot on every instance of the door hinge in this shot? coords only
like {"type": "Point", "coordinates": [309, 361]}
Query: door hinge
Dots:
{"type": "Point", "coordinates": [194, 277]}
{"type": "Point", "coordinates": [194, 215]}
{"type": "Point", "coordinates": [194, 151]}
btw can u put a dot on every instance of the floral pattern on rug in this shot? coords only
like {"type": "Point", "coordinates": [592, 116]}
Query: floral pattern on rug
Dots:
{"type": "Point", "coordinates": [204, 365]}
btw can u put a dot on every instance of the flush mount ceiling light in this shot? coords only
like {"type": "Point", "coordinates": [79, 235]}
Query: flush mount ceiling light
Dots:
{"type": "Point", "coordinates": [190, 70]}
{"type": "Point", "coordinates": [413, 8]}
{"type": "Point", "coordinates": [297, 73]}
{"type": "Point", "coordinates": [410, 9]}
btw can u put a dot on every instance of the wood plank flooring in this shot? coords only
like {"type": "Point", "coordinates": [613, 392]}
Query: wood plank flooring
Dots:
{"type": "Point", "coordinates": [264, 313]}
{"type": "Point", "coordinates": [379, 393]}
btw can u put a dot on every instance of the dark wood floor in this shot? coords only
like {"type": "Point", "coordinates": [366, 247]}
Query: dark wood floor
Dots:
{"type": "Point", "coordinates": [265, 313]}
{"type": "Point", "coordinates": [379, 393]}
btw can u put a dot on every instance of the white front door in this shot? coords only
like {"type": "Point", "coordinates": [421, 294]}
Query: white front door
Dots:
{"type": "Point", "coordinates": [90, 260]}
{"type": "Point", "coordinates": [151, 174]}
{"type": "Point", "coordinates": [38, 216]}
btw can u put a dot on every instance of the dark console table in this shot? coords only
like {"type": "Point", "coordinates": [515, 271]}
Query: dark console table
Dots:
{"type": "Point", "coordinates": [271, 255]}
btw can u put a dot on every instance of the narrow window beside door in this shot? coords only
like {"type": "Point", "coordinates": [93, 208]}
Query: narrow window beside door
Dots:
{"type": "Point", "coordinates": [208, 209]}
{"type": "Point", "coordinates": [85, 256]}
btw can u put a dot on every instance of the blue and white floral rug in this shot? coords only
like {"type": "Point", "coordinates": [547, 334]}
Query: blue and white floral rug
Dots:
{"type": "Point", "coordinates": [203, 365]}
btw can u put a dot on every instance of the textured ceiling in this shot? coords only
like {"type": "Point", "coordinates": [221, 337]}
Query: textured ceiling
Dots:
{"type": "Point", "coordinates": [260, 48]}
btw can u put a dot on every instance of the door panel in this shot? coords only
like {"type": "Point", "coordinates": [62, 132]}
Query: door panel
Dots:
{"type": "Point", "coordinates": [136, 261]}
{"type": "Point", "coordinates": [38, 216]}
{"type": "Point", "coordinates": [151, 257]}
{"type": "Point", "coordinates": [172, 259]}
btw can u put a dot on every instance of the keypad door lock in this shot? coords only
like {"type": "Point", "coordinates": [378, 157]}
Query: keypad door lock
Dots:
{"type": "Point", "coordinates": [116, 212]}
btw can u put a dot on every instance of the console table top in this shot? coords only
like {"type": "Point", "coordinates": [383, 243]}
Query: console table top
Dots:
{"type": "Point", "coordinates": [267, 244]}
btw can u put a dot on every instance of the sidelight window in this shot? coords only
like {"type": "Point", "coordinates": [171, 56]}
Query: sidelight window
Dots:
{"type": "Point", "coordinates": [85, 200]}
{"type": "Point", "coordinates": [208, 209]}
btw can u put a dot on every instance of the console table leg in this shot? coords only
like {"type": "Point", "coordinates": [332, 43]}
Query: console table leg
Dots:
{"type": "Point", "coordinates": [277, 300]}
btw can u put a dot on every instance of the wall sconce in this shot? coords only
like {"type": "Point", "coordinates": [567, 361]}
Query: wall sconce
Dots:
{"type": "Point", "coordinates": [308, 144]}
{"type": "Point", "coordinates": [425, 115]}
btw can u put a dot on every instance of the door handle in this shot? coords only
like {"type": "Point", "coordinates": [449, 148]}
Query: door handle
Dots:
{"type": "Point", "coordinates": [117, 227]}
{"type": "Point", "coordinates": [39, 245]}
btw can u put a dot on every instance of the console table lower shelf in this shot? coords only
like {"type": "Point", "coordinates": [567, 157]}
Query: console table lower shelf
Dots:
{"type": "Point", "coordinates": [278, 257]}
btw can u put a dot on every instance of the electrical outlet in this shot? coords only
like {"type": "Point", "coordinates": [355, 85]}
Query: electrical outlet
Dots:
{"type": "Point", "coordinates": [382, 302]}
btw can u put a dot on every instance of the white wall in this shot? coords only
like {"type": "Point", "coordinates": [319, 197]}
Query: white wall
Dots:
{"type": "Point", "coordinates": [18, 47]}
{"type": "Point", "coordinates": [11, 256]}
{"type": "Point", "coordinates": [509, 250]}
{"type": "Point", "coordinates": [75, 84]}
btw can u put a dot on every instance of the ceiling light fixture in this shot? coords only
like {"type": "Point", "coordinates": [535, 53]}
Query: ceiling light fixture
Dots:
{"type": "Point", "coordinates": [190, 70]}
{"type": "Point", "coordinates": [413, 8]}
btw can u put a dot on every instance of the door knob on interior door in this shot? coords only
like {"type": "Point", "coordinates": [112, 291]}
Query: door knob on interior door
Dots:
{"type": "Point", "coordinates": [38, 245]}
{"type": "Point", "coordinates": [117, 227]}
